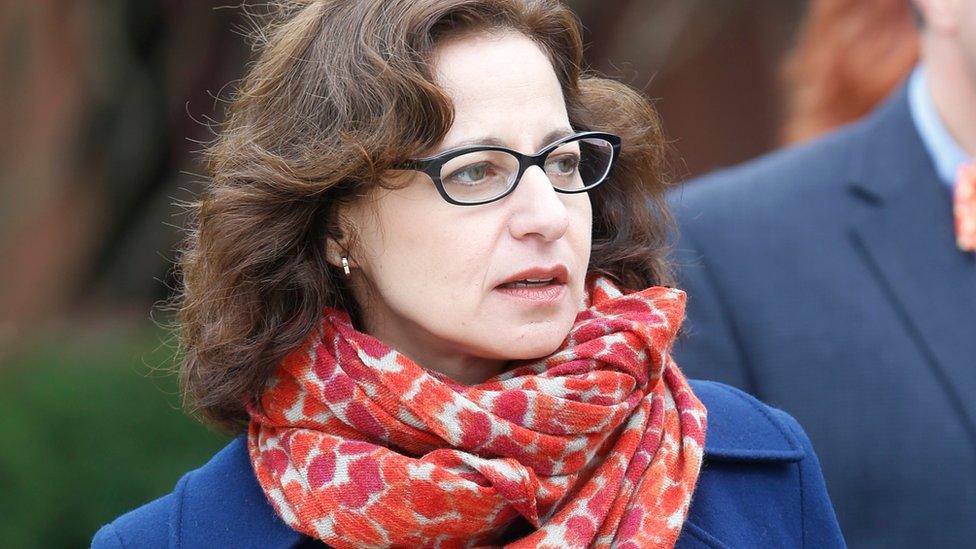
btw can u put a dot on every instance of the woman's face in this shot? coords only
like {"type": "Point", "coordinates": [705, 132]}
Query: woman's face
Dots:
{"type": "Point", "coordinates": [441, 282]}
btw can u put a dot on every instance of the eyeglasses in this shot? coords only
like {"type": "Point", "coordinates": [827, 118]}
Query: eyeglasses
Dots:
{"type": "Point", "coordinates": [471, 176]}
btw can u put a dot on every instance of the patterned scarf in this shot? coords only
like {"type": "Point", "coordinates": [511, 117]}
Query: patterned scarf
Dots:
{"type": "Point", "coordinates": [598, 445]}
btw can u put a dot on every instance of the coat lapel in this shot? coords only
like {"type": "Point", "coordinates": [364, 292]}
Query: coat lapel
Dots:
{"type": "Point", "coordinates": [906, 237]}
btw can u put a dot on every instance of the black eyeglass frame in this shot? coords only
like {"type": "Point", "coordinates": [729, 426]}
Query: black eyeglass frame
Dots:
{"type": "Point", "coordinates": [432, 165]}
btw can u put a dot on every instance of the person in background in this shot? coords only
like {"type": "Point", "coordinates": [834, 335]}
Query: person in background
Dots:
{"type": "Point", "coordinates": [850, 55]}
{"type": "Point", "coordinates": [837, 280]}
{"type": "Point", "coordinates": [408, 293]}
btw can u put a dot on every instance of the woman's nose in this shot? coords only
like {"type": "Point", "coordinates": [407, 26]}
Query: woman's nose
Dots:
{"type": "Point", "coordinates": [539, 210]}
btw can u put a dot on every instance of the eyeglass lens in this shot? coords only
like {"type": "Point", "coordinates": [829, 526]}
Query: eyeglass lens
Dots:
{"type": "Point", "coordinates": [573, 166]}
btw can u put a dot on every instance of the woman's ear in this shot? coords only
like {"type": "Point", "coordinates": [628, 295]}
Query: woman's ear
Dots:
{"type": "Point", "coordinates": [338, 242]}
{"type": "Point", "coordinates": [334, 252]}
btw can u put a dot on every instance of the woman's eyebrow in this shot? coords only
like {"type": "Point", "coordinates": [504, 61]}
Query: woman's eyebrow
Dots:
{"type": "Point", "coordinates": [549, 138]}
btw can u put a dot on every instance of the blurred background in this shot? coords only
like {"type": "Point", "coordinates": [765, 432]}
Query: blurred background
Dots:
{"type": "Point", "coordinates": [103, 107]}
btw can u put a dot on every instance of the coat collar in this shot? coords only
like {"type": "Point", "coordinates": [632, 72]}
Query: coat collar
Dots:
{"type": "Point", "coordinates": [222, 505]}
{"type": "Point", "coordinates": [889, 156]}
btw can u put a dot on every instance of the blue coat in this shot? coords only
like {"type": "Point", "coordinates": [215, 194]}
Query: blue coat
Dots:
{"type": "Point", "coordinates": [825, 280]}
{"type": "Point", "coordinates": [760, 486]}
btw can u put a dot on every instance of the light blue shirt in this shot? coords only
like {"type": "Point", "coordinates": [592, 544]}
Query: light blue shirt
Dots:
{"type": "Point", "coordinates": [946, 153]}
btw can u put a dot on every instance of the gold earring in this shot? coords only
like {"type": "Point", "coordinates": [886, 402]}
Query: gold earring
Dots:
{"type": "Point", "coordinates": [345, 266]}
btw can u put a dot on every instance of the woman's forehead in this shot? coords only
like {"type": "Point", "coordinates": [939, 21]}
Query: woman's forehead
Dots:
{"type": "Point", "coordinates": [480, 66]}
{"type": "Point", "coordinates": [503, 88]}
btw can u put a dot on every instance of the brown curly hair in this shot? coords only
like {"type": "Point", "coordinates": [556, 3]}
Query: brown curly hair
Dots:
{"type": "Point", "coordinates": [341, 92]}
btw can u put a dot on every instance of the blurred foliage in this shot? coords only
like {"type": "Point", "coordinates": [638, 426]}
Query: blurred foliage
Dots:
{"type": "Point", "coordinates": [91, 427]}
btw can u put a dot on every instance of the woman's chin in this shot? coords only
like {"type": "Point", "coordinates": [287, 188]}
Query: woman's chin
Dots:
{"type": "Point", "coordinates": [532, 345]}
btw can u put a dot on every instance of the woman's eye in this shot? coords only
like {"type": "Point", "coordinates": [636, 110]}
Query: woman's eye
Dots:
{"type": "Point", "coordinates": [469, 175]}
{"type": "Point", "coordinates": [565, 164]}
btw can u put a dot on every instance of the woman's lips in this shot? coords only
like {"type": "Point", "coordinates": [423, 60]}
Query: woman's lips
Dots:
{"type": "Point", "coordinates": [556, 274]}
{"type": "Point", "coordinates": [539, 284]}
{"type": "Point", "coordinates": [546, 293]}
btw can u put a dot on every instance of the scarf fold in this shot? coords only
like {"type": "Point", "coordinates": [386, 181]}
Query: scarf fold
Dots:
{"type": "Point", "coordinates": [597, 445]}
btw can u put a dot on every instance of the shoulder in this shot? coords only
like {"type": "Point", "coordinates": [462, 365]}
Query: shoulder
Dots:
{"type": "Point", "coordinates": [742, 427]}
{"type": "Point", "coordinates": [760, 483]}
{"type": "Point", "coordinates": [792, 178]}
{"type": "Point", "coordinates": [147, 526]}
{"type": "Point", "coordinates": [801, 178]}
{"type": "Point", "coordinates": [217, 505]}
{"type": "Point", "coordinates": [738, 228]}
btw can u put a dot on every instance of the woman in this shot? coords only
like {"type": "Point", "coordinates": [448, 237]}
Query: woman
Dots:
{"type": "Point", "coordinates": [406, 282]}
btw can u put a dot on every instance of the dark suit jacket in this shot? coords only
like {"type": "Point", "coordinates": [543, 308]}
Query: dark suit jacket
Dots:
{"type": "Point", "coordinates": [825, 280]}
{"type": "Point", "coordinates": [760, 486]}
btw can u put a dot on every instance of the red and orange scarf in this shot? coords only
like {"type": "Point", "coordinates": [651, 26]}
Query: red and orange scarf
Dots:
{"type": "Point", "coordinates": [598, 445]}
